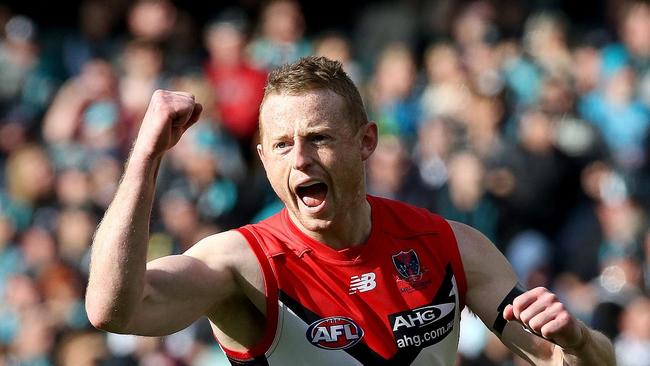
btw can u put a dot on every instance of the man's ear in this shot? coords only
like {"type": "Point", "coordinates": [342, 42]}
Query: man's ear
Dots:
{"type": "Point", "coordinates": [369, 139]}
{"type": "Point", "coordinates": [260, 153]}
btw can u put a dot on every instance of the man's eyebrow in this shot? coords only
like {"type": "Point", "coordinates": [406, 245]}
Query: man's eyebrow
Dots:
{"type": "Point", "coordinates": [277, 137]}
{"type": "Point", "coordinates": [318, 129]}
{"type": "Point", "coordinates": [308, 131]}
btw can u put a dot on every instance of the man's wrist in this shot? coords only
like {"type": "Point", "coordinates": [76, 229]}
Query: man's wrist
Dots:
{"type": "Point", "coordinates": [584, 339]}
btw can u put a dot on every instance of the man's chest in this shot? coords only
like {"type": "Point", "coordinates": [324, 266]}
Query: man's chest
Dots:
{"type": "Point", "coordinates": [401, 301]}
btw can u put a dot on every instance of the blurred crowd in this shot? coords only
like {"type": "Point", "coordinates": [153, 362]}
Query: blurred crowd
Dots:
{"type": "Point", "coordinates": [500, 114]}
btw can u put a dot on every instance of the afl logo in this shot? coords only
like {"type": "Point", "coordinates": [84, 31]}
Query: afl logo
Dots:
{"type": "Point", "coordinates": [335, 332]}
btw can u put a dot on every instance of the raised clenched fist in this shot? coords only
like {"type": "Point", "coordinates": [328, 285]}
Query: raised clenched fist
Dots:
{"type": "Point", "coordinates": [168, 116]}
{"type": "Point", "coordinates": [540, 311]}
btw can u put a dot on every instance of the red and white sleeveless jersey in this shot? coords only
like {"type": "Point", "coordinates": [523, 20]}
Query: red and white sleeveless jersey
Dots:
{"type": "Point", "coordinates": [395, 300]}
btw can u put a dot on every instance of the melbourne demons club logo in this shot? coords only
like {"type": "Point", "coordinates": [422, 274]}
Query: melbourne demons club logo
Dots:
{"type": "Point", "coordinates": [408, 265]}
{"type": "Point", "coordinates": [335, 332]}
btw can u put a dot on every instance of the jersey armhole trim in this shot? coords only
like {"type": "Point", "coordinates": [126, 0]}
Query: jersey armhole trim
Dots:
{"type": "Point", "coordinates": [271, 295]}
{"type": "Point", "coordinates": [457, 260]}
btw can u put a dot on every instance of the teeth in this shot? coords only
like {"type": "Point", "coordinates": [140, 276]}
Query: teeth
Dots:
{"type": "Point", "coordinates": [308, 184]}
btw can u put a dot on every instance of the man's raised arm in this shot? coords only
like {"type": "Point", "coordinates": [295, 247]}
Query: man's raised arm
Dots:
{"type": "Point", "coordinates": [534, 324]}
{"type": "Point", "coordinates": [125, 294]}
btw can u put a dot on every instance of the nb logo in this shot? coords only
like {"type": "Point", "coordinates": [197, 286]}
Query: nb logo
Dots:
{"type": "Point", "coordinates": [363, 283]}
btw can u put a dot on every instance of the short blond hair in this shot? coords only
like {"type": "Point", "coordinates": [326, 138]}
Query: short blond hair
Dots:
{"type": "Point", "coordinates": [318, 73]}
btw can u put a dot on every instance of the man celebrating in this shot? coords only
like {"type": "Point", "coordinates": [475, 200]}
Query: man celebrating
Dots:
{"type": "Point", "coordinates": [338, 276]}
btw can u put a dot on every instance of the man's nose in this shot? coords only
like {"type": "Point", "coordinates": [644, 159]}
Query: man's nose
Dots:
{"type": "Point", "coordinates": [302, 155]}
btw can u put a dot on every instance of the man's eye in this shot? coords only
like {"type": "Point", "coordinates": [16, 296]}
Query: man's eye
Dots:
{"type": "Point", "coordinates": [318, 138]}
{"type": "Point", "coordinates": [281, 145]}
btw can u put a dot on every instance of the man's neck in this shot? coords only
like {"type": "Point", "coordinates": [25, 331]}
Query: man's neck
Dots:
{"type": "Point", "coordinates": [349, 230]}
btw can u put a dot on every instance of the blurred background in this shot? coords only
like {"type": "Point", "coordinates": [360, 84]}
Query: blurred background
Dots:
{"type": "Point", "coordinates": [527, 120]}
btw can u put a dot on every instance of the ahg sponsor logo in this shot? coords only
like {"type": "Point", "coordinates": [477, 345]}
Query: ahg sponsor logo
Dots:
{"type": "Point", "coordinates": [423, 326]}
{"type": "Point", "coordinates": [430, 323]}
{"type": "Point", "coordinates": [336, 332]}
{"type": "Point", "coordinates": [423, 316]}
{"type": "Point", "coordinates": [426, 338]}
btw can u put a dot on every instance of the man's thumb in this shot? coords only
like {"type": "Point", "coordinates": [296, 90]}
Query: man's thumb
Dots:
{"type": "Point", "coordinates": [509, 313]}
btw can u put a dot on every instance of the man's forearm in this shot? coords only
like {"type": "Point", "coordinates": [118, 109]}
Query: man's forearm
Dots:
{"type": "Point", "coordinates": [595, 349]}
{"type": "Point", "coordinates": [118, 260]}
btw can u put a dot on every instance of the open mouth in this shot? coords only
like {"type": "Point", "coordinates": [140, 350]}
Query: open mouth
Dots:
{"type": "Point", "coordinates": [312, 194]}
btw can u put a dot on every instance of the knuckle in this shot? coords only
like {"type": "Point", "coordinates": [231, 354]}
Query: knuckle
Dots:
{"type": "Point", "coordinates": [518, 302]}
{"type": "Point", "coordinates": [188, 95]}
{"type": "Point", "coordinates": [546, 331]}
{"type": "Point", "coordinates": [549, 297]}
{"type": "Point", "coordinates": [558, 307]}
{"type": "Point", "coordinates": [540, 290]}
{"type": "Point", "coordinates": [563, 317]}
{"type": "Point", "coordinates": [525, 317]}
{"type": "Point", "coordinates": [536, 325]}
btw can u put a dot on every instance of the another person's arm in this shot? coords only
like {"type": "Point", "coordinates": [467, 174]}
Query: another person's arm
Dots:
{"type": "Point", "coordinates": [490, 279]}
{"type": "Point", "coordinates": [127, 295]}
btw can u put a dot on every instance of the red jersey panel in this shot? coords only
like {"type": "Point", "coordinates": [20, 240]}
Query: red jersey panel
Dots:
{"type": "Point", "coordinates": [394, 300]}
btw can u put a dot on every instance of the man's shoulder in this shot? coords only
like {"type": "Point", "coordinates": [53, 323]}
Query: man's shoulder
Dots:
{"type": "Point", "coordinates": [475, 248]}
{"type": "Point", "coordinates": [274, 226]}
{"type": "Point", "coordinates": [226, 247]}
{"type": "Point", "coordinates": [395, 205]}
{"type": "Point", "coordinates": [269, 235]}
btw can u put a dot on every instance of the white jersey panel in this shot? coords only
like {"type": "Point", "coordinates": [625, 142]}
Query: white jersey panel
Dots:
{"type": "Point", "coordinates": [291, 346]}
{"type": "Point", "coordinates": [444, 352]}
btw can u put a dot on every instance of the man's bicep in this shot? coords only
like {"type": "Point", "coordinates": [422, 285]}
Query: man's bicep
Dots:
{"type": "Point", "coordinates": [491, 285]}
{"type": "Point", "coordinates": [489, 275]}
{"type": "Point", "coordinates": [179, 289]}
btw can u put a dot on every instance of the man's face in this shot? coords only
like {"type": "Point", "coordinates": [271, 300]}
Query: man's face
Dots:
{"type": "Point", "coordinates": [313, 156]}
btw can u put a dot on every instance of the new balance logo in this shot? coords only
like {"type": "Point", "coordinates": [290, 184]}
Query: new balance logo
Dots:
{"type": "Point", "coordinates": [363, 283]}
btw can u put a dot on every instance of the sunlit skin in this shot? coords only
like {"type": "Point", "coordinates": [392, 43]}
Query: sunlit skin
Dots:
{"type": "Point", "coordinates": [307, 138]}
